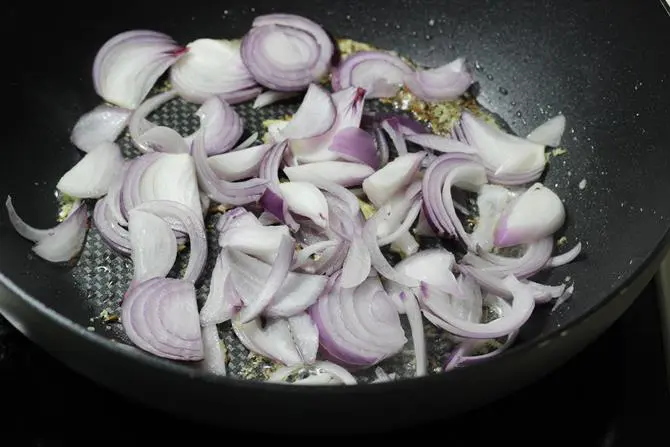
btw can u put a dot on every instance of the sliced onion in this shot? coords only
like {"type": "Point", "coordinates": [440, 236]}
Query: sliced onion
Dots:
{"type": "Point", "coordinates": [270, 97]}
{"type": "Point", "coordinates": [222, 191]}
{"type": "Point", "coordinates": [116, 236]}
{"type": "Point", "coordinates": [128, 65]}
{"type": "Point", "coordinates": [444, 83]}
{"type": "Point", "coordinates": [491, 202]}
{"type": "Point", "coordinates": [93, 174]}
{"type": "Point", "coordinates": [138, 124]}
{"type": "Point", "coordinates": [211, 67]}
{"type": "Point", "coordinates": [304, 255]}
{"type": "Point", "coordinates": [396, 137]}
{"type": "Point", "coordinates": [354, 144]}
{"type": "Point", "coordinates": [305, 335]}
{"type": "Point", "coordinates": [413, 312]}
{"type": "Point", "coordinates": [549, 133]}
{"type": "Point", "coordinates": [535, 257]}
{"type": "Point", "coordinates": [358, 327]}
{"type": "Point", "coordinates": [297, 292]}
{"type": "Point", "coordinates": [343, 173]}
{"type": "Point", "coordinates": [464, 353]}
{"type": "Point", "coordinates": [214, 351]}
{"type": "Point", "coordinates": [103, 124]}
{"type": "Point", "coordinates": [273, 281]}
{"type": "Point", "coordinates": [381, 74]}
{"type": "Point", "coordinates": [273, 341]}
{"type": "Point", "coordinates": [315, 116]}
{"type": "Point", "coordinates": [432, 267]}
{"type": "Point", "coordinates": [160, 316]}
{"type": "Point", "coordinates": [567, 293]}
{"type": "Point", "coordinates": [286, 52]}
{"type": "Point", "coordinates": [447, 171]}
{"type": "Point", "coordinates": [393, 177]}
{"type": "Point", "coordinates": [223, 300]}
{"type": "Point", "coordinates": [440, 144]}
{"type": "Point", "coordinates": [357, 264]}
{"type": "Point", "coordinates": [522, 307]}
{"type": "Point", "coordinates": [192, 224]}
{"type": "Point", "coordinates": [241, 96]}
{"type": "Point", "coordinates": [239, 164]}
{"type": "Point", "coordinates": [535, 214]}
{"type": "Point", "coordinates": [509, 160]}
{"type": "Point", "coordinates": [57, 244]}
{"type": "Point", "coordinates": [222, 125]}
{"type": "Point", "coordinates": [402, 231]}
{"type": "Point", "coordinates": [307, 200]}
{"type": "Point", "coordinates": [170, 177]}
{"type": "Point", "coordinates": [349, 105]}
{"type": "Point", "coordinates": [153, 246]}
{"type": "Point", "coordinates": [565, 258]}
{"type": "Point", "coordinates": [379, 262]}
{"type": "Point", "coordinates": [130, 186]}
{"type": "Point", "coordinates": [261, 242]}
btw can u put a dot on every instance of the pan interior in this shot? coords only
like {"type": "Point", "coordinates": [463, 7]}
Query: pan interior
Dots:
{"type": "Point", "coordinates": [533, 61]}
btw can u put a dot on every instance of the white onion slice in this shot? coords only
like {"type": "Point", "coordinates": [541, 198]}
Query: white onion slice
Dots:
{"type": "Point", "coordinates": [357, 264]}
{"type": "Point", "coordinates": [549, 133]}
{"type": "Point", "coordinates": [270, 97]}
{"type": "Point", "coordinates": [172, 177]}
{"type": "Point", "coordinates": [306, 200]}
{"type": "Point", "coordinates": [343, 173]}
{"type": "Point", "coordinates": [444, 83]}
{"type": "Point", "coordinates": [297, 293]}
{"type": "Point", "coordinates": [214, 351]}
{"type": "Point", "coordinates": [315, 116]}
{"type": "Point", "coordinates": [63, 242]}
{"type": "Point", "coordinates": [22, 227]}
{"type": "Point", "coordinates": [93, 174]}
{"type": "Point", "coordinates": [273, 341]}
{"type": "Point", "coordinates": [153, 246]}
{"type": "Point", "coordinates": [211, 67]}
{"type": "Point", "coordinates": [503, 153]}
{"type": "Point", "coordinates": [222, 297]}
{"type": "Point", "coordinates": [305, 335]}
{"type": "Point", "coordinates": [239, 164]}
{"type": "Point", "coordinates": [381, 74]}
{"type": "Point", "coordinates": [390, 179]}
{"type": "Point", "coordinates": [128, 65]}
{"type": "Point", "coordinates": [491, 202]}
{"type": "Point", "coordinates": [261, 242]}
{"type": "Point", "coordinates": [103, 124]}
{"type": "Point", "coordinates": [535, 214]}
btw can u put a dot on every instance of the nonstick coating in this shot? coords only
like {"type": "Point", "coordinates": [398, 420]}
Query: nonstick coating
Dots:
{"type": "Point", "coordinates": [604, 64]}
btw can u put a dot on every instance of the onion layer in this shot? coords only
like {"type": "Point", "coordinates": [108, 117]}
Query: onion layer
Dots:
{"type": "Point", "coordinates": [103, 124]}
{"type": "Point", "coordinates": [93, 174]}
{"type": "Point", "coordinates": [160, 316]}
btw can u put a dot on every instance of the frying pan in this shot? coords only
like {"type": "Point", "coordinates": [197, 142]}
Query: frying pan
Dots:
{"type": "Point", "coordinates": [604, 64]}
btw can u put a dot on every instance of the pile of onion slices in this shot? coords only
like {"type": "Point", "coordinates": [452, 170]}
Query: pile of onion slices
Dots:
{"type": "Point", "coordinates": [302, 272]}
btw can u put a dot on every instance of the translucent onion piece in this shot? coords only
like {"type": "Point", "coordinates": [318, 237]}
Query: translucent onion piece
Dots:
{"type": "Point", "coordinates": [270, 97]}
{"type": "Point", "coordinates": [128, 65]}
{"type": "Point", "coordinates": [549, 133]}
{"type": "Point", "coordinates": [116, 236]}
{"type": "Point", "coordinates": [305, 336]}
{"type": "Point", "coordinates": [138, 125]}
{"type": "Point", "coordinates": [261, 242]}
{"type": "Point", "coordinates": [381, 74]}
{"type": "Point", "coordinates": [66, 240]}
{"type": "Point", "coordinates": [22, 227]}
{"type": "Point", "coordinates": [306, 200]}
{"type": "Point", "coordinates": [222, 125]}
{"type": "Point", "coordinates": [535, 214]}
{"type": "Point", "coordinates": [315, 116]}
{"type": "Point", "coordinates": [239, 164]}
{"type": "Point", "coordinates": [357, 264]}
{"type": "Point", "coordinates": [343, 173]}
{"type": "Point", "coordinates": [211, 67]}
{"type": "Point", "coordinates": [393, 177]}
{"type": "Point", "coordinates": [214, 351]}
{"type": "Point", "coordinates": [103, 124]}
{"type": "Point", "coordinates": [413, 312]}
{"type": "Point", "coordinates": [153, 246]}
{"type": "Point", "coordinates": [491, 202]}
{"type": "Point", "coordinates": [160, 316]}
{"type": "Point", "coordinates": [194, 227]}
{"type": "Point", "coordinates": [93, 174]}
{"type": "Point", "coordinates": [273, 341]}
{"type": "Point", "coordinates": [444, 83]}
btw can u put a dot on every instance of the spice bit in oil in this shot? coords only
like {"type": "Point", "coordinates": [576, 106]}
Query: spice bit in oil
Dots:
{"type": "Point", "coordinates": [562, 241]}
{"type": "Point", "coordinates": [65, 204]}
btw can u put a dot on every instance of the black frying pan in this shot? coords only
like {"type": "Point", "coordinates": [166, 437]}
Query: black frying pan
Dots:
{"type": "Point", "coordinates": [604, 64]}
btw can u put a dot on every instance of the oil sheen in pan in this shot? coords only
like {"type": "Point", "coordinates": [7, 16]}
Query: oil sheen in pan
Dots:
{"type": "Point", "coordinates": [103, 276]}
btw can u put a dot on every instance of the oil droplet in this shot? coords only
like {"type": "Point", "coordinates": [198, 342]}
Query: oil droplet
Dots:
{"type": "Point", "coordinates": [489, 77]}
{"type": "Point", "coordinates": [431, 22]}
{"type": "Point", "coordinates": [503, 90]}
{"type": "Point", "coordinates": [513, 103]}
{"type": "Point", "coordinates": [397, 26]}
{"type": "Point", "coordinates": [518, 113]}
{"type": "Point", "coordinates": [428, 37]}
{"type": "Point", "coordinates": [478, 66]}
{"type": "Point", "coordinates": [414, 33]}
{"type": "Point", "coordinates": [348, 17]}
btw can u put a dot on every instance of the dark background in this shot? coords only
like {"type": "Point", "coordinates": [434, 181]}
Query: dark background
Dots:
{"type": "Point", "coordinates": [615, 393]}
